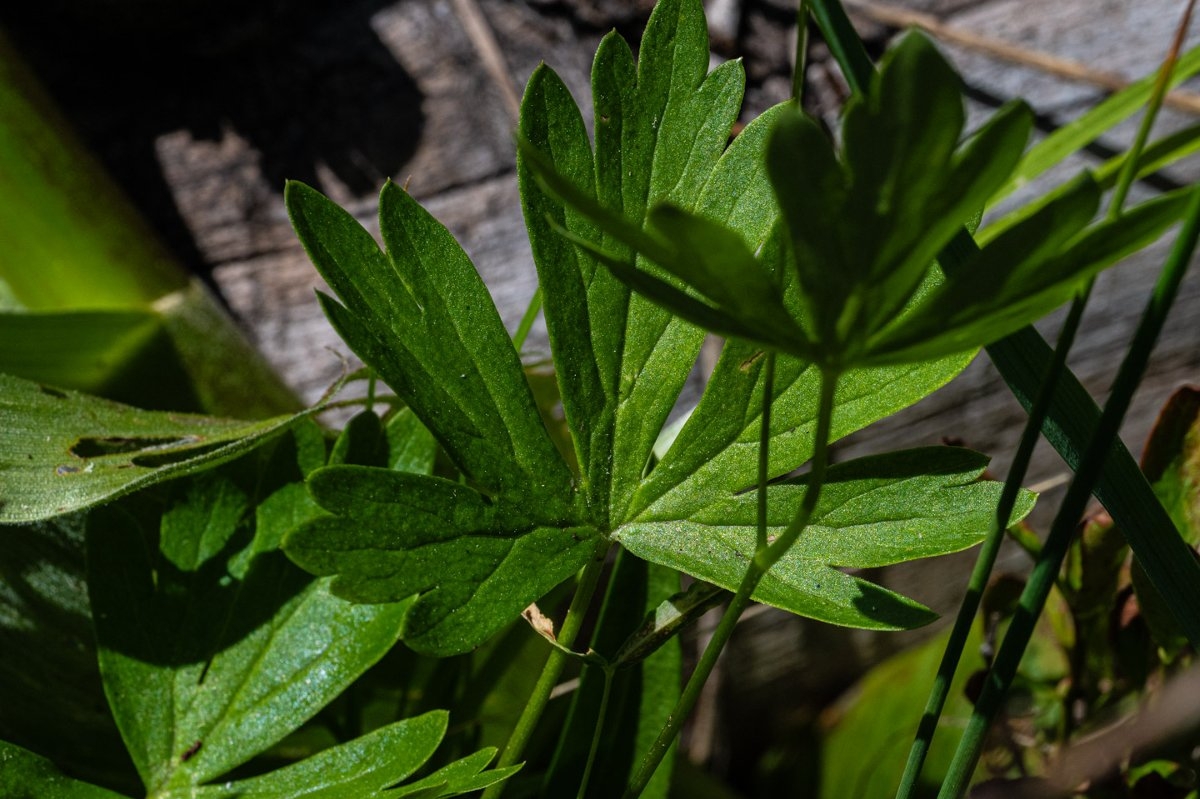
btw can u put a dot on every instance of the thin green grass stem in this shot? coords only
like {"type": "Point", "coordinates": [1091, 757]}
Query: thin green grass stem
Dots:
{"type": "Point", "coordinates": [764, 450]}
{"type": "Point", "coordinates": [1029, 436]}
{"type": "Point", "coordinates": [986, 560]}
{"type": "Point", "coordinates": [514, 750]}
{"type": "Point", "coordinates": [1162, 83]}
{"type": "Point", "coordinates": [801, 52]}
{"type": "Point", "coordinates": [595, 747]}
{"type": "Point", "coordinates": [764, 558]}
{"type": "Point", "coordinates": [527, 319]}
{"type": "Point", "coordinates": [1045, 572]}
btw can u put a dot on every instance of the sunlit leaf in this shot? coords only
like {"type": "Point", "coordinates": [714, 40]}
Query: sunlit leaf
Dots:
{"type": "Point", "coordinates": [873, 512]}
{"type": "Point", "coordinates": [62, 451]}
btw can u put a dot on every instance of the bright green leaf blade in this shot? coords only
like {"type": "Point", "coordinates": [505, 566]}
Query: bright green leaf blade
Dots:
{"type": "Point", "coordinates": [477, 564]}
{"type": "Point", "coordinates": [661, 126]}
{"type": "Point", "coordinates": [421, 316]}
{"type": "Point", "coordinates": [1036, 282]}
{"type": "Point", "coordinates": [716, 453]}
{"type": "Point", "coordinates": [1083, 130]}
{"type": "Point", "coordinates": [358, 769]}
{"type": "Point", "coordinates": [460, 777]}
{"type": "Point", "coordinates": [62, 451]}
{"type": "Point", "coordinates": [24, 775]}
{"type": "Point", "coordinates": [874, 511]}
{"type": "Point", "coordinates": [652, 248]}
{"type": "Point", "coordinates": [550, 120]}
{"type": "Point", "coordinates": [205, 669]}
{"type": "Point", "coordinates": [863, 754]}
{"type": "Point", "coordinates": [83, 350]}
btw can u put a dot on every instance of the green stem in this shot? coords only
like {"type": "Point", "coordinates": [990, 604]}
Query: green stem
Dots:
{"type": "Point", "coordinates": [987, 558]}
{"type": "Point", "coordinates": [1037, 418]}
{"type": "Point", "coordinates": [801, 51]}
{"type": "Point", "coordinates": [764, 558]}
{"type": "Point", "coordinates": [523, 731]}
{"type": "Point", "coordinates": [595, 747]}
{"type": "Point", "coordinates": [1033, 598]}
{"type": "Point", "coordinates": [527, 319]}
{"type": "Point", "coordinates": [764, 449]}
{"type": "Point", "coordinates": [1021, 358]}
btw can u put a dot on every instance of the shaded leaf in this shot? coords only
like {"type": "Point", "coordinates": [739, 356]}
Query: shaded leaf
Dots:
{"type": "Point", "coordinates": [864, 753]}
{"type": "Point", "coordinates": [477, 564]}
{"type": "Point", "coordinates": [25, 775]}
{"type": "Point", "coordinates": [640, 699]}
{"type": "Point", "coordinates": [205, 666]}
{"type": "Point", "coordinates": [1026, 275]}
{"type": "Point", "coordinates": [82, 350]}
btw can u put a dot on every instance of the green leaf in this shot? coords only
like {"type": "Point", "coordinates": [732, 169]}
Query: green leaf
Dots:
{"type": "Point", "coordinates": [662, 125]}
{"type": "Point", "coordinates": [640, 700]}
{"type": "Point", "coordinates": [1086, 128]}
{"type": "Point", "coordinates": [359, 768]}
{"type": "Point", "coordinates": [422, 318]}
{"type": "Point", "coordinates": [24, 775]}
{"type": "Point", "coordinates": [716, 452]}
{"type": "Point", "coordinates": [206, 666]}
{"type": "Point", "coordinates": [866, 228]}
{"type": "Point", "coordinates": [460, 777]}
{"type": "Point", "coordinates": [51, 699]}
{"type": "Point", "coordinates": [1025, 273]}
{"type": "Point", "coordinates": [1022, 359]}
{"type": "Point", "coordinates": [83, 350]}
{"type": "Point", "coordinates": [873, 512]}
{"type": "Point", "coordinates": [863, 755]}
{"type": "Point", "coordinates": [62, 451]}
{"type": "Point", "coordinates": [476, 563]}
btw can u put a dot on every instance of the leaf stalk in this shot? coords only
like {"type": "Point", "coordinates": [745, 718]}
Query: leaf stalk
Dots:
{"type": "Point", "coordinates": [589, 578]}
{"type": "Point", "coordinates": [764, 558]}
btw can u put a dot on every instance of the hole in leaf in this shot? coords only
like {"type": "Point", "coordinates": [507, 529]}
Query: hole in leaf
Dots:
{"type": "Point", "coordinates": [169, 457]}
{"type": "Point", "coordinates": [96, 447]}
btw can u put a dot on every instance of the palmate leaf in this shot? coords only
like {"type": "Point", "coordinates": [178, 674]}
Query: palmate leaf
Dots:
{"type": "Point", "coordinates": [662, 124]}
{"type": "Point", "coordinates": [476, 564]}
{"type": "Point", "coordinates": [477, 552]}
{"type": "Point", "coordinates": [874, 511]}
{"type": "Point", "coordinates": [420, 315]}
{"type": "Point", "coordinates": [62, 451]}
{"type": "Point", "coordinates": [213, 646]}
{"type": "Point", "coordinates": [422, 318]}
{"type": "Point", "coordinates": [867, 222]}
